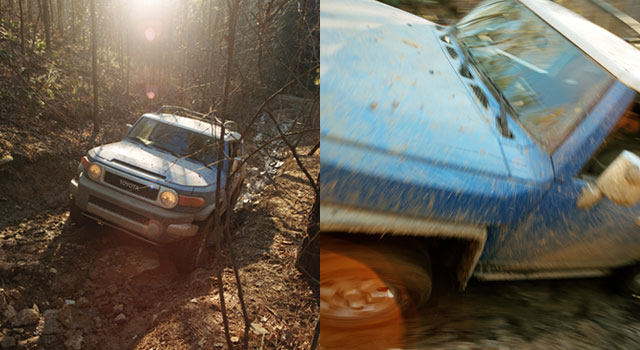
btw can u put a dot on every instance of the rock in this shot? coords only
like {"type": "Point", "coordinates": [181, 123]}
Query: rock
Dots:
{"type": "Point", "coordinates": [10, 314]}
{"type": "Point", "coordinates": [73, 340]}
{"type": "Point", "coordinates": [118, 308]}
{"type": "Point", "coordinates": [70, 302]}
{"type": "Point", "coordinates": [7, 341]}
{"type": "Point", "coordinates": [15, 294]}
{"type": "Point", "coordinates": [7, 158]}
{"type": "Point", "coordinates": [53, 270]}
{"type": "Point", "coordinates": [112, 289]}
{"type": "Point", "coordinates": [51, 324]}
{"type": "Point", "coordinates": [83, 302]}
{"type": "Point", "coordinates": [10, 242]}
{"type": "Point", "coordinates": [65, 315]}
{"type": "Point", "coordinates": [28, 343]}
{"type": "Point", "coordinates": [256, 327]}
{"type": "Point", "coordinates": [235, 339]}
{"type": "Point", "coordinates": [120, 318]}
{"type": "Point", "coordinates": [99, 292]}
{"type": "Point", "coordinates": [27, 317]}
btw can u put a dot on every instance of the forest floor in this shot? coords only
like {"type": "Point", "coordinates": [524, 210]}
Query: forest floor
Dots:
{"type": "Point", "coordinates": [93, 287]}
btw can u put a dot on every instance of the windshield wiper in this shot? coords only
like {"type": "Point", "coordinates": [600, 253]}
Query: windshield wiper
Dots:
{"type": "Point", "coordinates": [138, 139]}
{"type": "Point", "coordinates": [501, 118]}
{"type": "Point", "coordinates": [163, 148]}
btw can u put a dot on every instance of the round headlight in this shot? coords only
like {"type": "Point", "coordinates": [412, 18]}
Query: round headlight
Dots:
{"type": "Point", "coordinates": [168, 199]}
{"type": "Point", "coordinates": [94, 171]}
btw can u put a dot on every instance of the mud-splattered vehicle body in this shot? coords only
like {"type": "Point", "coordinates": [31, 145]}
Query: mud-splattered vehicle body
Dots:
{"type": "Point", "coordinates": [159, 182]}
{"type": "Point", "coordinates": [496, 145]}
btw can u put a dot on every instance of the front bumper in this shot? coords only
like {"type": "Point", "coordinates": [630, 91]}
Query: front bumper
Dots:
{"type": "Point", "coordinates": [140, 218]}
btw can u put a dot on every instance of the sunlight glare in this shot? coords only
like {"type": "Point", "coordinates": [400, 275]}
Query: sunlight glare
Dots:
{"type": "Point", "coordinates": [151, 10]}
{"type": "Point", "coordinates": [150, 33]}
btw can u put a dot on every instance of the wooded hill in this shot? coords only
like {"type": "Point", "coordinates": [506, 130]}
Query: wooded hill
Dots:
{"type": "Point", "coordinates": [54, 52]}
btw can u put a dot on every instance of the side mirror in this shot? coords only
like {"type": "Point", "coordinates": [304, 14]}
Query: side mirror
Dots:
{"type": "Point", "coordinates": [129, 126]}
{"type": "Point", "coordinates": [620, 182]}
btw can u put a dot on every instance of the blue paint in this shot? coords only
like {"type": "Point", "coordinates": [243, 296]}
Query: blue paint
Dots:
{"type": "Point", "coordinates": [407, 134]}
{"type": "Point", "coordinates": [556, 225]}
{"type": "Point", "coordinates": [574, 153]}
{"type": "Point", "coordinates": [402, 132]}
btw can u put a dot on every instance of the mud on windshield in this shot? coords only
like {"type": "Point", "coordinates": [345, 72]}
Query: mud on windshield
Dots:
{"type": "Point", "coordinates": [548, 81]}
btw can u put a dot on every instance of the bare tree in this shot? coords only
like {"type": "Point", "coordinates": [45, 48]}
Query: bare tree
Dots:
{"type": "Point", "coordinates": [234, 7]}
{"type": "Point", "coordinates": [21, 27]}
{"type": "Point", "coordinates": [46, 15]}
{"type": "Point", "coordinates": [94, 69]}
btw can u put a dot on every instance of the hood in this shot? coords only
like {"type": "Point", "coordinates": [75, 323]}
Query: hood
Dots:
{"type": "Point", "coordinates": [161, 164]}
{"type": "Point", "coordinates": [388, 87]}
{"type": "Point", "coordinates": [401, 132]}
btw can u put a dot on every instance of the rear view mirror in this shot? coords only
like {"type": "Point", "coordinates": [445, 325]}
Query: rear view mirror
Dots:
{"type": "Point", "coordinates": [620, 182]}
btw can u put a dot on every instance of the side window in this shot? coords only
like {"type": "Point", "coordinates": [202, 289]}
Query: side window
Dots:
{"type": "Point", "coordinates": [624, 136]}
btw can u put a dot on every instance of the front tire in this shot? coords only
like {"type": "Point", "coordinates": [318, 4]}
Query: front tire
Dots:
{"type": "Point", "coordinates": [630, 281]}
{"type": "Point", "coordinates": [372, 284]}
{"type": "Point", "coordinates": [75, 215]}
{"type": "Point", "coordinates": [187, 253]}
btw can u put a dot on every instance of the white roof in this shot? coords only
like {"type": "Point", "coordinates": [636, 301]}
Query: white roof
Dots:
{"type": "Point", "coordinates": [201, 127]}
{"type": "Point", "coordinates": [617, 56]}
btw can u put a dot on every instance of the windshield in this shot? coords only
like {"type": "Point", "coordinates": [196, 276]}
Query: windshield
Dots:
{"type": "Point", "coordinates": [174, 140]}
{"type": "Point", "coordinates": [548, 81]}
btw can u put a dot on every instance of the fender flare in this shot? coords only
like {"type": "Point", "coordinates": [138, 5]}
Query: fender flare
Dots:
{"type": "Point", "coordinates": [338, 218]}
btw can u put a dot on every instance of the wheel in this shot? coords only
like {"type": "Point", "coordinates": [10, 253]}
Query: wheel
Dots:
{"type": "Point", "coordinates": [371, 284]}
{"type": "Point", "coordinates": [75, 215]}
{"type": "Point", "coordinates": [188, 252]}
{"type": "Point", "coordinates": [211, 240]}
{"type": "Point", "coordinates": [630, 282]}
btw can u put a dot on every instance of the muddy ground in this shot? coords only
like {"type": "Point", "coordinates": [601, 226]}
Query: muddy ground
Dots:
{"type": "Point", "coordinates": [544, 314]}
{"type": "Point", "coordinates": [93, 287]}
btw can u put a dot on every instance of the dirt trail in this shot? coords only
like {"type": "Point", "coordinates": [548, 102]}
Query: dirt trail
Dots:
{"type": "Point", "coordinates": [65, 287]}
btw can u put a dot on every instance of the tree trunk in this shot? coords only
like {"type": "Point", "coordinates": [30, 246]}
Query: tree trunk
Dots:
{"type": "Point", "coordinates": [308, 260]}
{"type": "Point", "coordinates": [231, 39]}
{"type": "Point", "coordinates": [73, 20]}
{"type": "Point", "coordinates": [185, 42]}
{"type": "Point", "coordinates": [60, 4]}
{"type": "Point", "coordinates": [94, 69]}
{"type": "Point", "coordinates": [44, 6]}
{"type": "Point", "coordinates": [21, 27]}
{"type": "Point", "coordinates": [29, 16]}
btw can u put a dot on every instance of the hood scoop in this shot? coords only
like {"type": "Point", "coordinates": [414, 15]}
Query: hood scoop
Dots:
{"type": "Point", "coordinates": [480, 95]}
{"type": "Point", "coordinates": [139, 169]}
{"type": "Point", "coordinates": [452, 52]}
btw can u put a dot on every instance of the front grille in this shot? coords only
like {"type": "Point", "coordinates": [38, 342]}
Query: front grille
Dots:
{"type": "Point", "coordinates": [118, 210]}
{"type": "Point", "coordinates": [130, 186]}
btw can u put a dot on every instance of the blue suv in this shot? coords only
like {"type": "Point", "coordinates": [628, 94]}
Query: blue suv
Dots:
{"type": "Point", "coordinates": [502, 147]}
{"type": "Point", "coordinates": [158, 184]}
